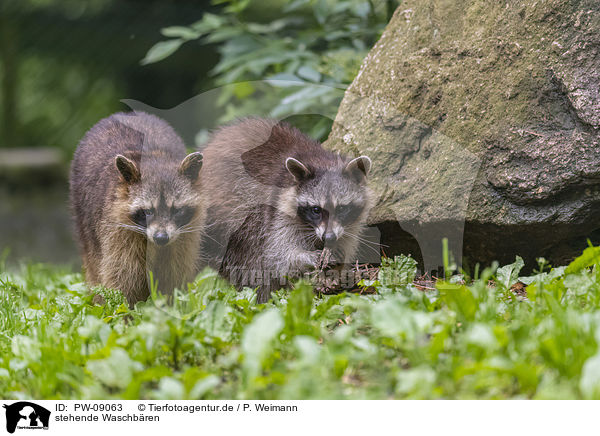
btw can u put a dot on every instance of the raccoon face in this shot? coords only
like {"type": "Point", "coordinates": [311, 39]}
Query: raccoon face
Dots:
{"type": "Point", "coordinates": [333, 202]}
{"type": "Point", "coordinates": [163, 203]}
{"type": "Point", "coordinates": [162, 223]}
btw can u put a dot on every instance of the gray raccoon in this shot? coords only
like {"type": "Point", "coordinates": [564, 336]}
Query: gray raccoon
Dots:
{"type": "Point", "coordinates": [136, 201]}
{"type": "Point", "coordinates": [277, 199]}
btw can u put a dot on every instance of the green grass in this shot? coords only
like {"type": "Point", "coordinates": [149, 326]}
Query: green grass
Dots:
{"type": "Point", "coordinates": [476, 341]}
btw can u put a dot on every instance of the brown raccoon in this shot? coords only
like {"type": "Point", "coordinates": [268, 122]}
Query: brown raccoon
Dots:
{"type": "Point", "coordinates": [277, 199]}
{"type": "Point", "coordinates": [137, 205]}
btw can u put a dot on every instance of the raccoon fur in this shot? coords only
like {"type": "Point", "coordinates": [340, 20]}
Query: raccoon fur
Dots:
{"type": "Point", "coordinates": [278, 198]}
{"type": "Point", "coordinates": [137, 205]}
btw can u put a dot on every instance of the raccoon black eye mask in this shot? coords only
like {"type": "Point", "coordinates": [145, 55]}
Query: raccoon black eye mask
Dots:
{"type": "Point", "coordinates": [181, 216]}
{"type": "Point", "coordinates": [315, 215]}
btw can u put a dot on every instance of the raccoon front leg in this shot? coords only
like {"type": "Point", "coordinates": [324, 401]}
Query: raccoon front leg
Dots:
{"type": "Point", "coordinates": [304, 260]}
{"type": "Point", "coordinates": [132, 282]}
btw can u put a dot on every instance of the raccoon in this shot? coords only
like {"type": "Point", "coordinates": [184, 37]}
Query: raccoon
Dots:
{"type": "Point", "coordinates": [278, 198]}
{"type": "Point", "coordinates": [137, 205]}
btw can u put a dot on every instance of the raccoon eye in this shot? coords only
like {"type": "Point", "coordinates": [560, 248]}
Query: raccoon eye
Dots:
{"type": "Point", "coordinates": [343, 210]}
{"type": "Point", "coordinates": [312, 214]}
{"type": "Point", "coordinates": [183, 215]}
{"type": "Point", "coordinates": [139, 217]}
{"type": "Point", "coordinates": [149, 212]}
{"type": "Point", "coordinates": [347, 212]}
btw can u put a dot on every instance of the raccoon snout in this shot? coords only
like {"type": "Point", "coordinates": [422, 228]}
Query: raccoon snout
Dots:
{"type": "Point", "coordinates": [329, 237]}
{"type": "Point", "coordinates": [161, 238]}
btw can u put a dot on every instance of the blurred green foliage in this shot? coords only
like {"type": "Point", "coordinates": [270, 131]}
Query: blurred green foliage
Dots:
{"type": "Point", "coordinates": [475, 340]}
{"type": "Point", "coordinates": [313, 48]}
{"type": "Point", "coordinates": [65, 64]}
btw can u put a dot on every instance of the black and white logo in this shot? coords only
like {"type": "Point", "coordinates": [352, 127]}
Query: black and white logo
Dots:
{"type": "Point", "coordinates": [26, 415]}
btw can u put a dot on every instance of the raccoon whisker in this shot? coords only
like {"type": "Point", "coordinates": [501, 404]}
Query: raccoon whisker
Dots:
{"type": "Point", "coordinates": [358, 238]}
{"type": "Point", "coordinates": [134, 228]}
{"type": "Point", "coordinates": [213, 239]}
{"type": "Point", "coordinates": [375, 251]}
{"type": "Point", "coordinates": [189, 229]}
{"type": "Point", "coordinates": [367, 245]}
{"type": "Point", "coordinates": [366, 241]}
{"type": "Point", "coordinates": [373, 245]}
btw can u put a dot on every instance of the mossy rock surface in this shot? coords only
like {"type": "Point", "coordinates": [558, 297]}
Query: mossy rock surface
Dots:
{"type": "Point", "coordinates": [486, 113]}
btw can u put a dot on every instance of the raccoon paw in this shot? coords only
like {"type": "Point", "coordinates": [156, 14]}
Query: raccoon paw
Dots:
{"type": "Point", "coordinates": [307, 260]}
{"type": "Point", "coordinates": [327, 259]}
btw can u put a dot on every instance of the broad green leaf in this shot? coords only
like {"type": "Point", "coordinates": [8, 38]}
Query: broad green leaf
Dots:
{"type": "Point", "coordinates": [115, 371]}
{"type": "Point", "coordinates": [397, 321]}
{"type": "Point", "coordinates": [204, 386]}
{"type": "Point", "coordinates": [481, 335]}
{"type": "Point", "coordinates": [508, 275]}
{"type": "Point", "coordinates": [309, 349]}
{"type": "Point", "coordinates": [589, 383]}
{"type": "Point", "coordinates": [590, 256]}
{"type": "Point", "coordinates": [460, 299]}
{"type": "Point", "coordinates": [26, 348]}
{"type": "Point", "coordinates": [169, 388]}
{"type": "Point", "coordinates": [298, 309]}
{"type": "Point", "coordinates": [257, 338]}
{"type": "Point", "coordinates": [309, 73]}
{"type": "Point", "coordinates": [161, 50]}
{"type": "Point", "coordinates": [415, 380]}
{"type": "Point", "coordinates": [397, 272]}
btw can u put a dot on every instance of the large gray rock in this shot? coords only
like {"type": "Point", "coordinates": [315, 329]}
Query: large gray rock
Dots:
{"type": "Point", "coordinates": [485, 114]}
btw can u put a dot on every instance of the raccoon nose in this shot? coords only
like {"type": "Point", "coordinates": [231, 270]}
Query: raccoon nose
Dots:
{"type": "Point", "coordinates": [329, 237]}
{"type": "Point", "coordinates": [161, 238]}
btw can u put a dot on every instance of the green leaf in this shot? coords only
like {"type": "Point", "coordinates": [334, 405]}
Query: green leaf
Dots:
{"type": "Point", "coordinates": [26, 348]}
{"type": "Point", "coordinates": [508, 275]}
{"type": "Point", "coordinates": [397, 321]}
{"type": "Point", "coordinates": [309, 73]}
{"type": "Point", "coordinates": [116, 370]}
{"type": "Point", "coordinates": [460, 299]}
{"type": "Point", "coordinates": [295, 5]}
{"type": "Point", "coordinates": [257, 338]}
{"type": "Point", "coordinates": [321, 11]}
{"type": "Point", "coordinates": [204, 386]}
{"type": "Point", "coordinates": [590, 256]}
{"type": "Point", "coordinates": [185, 33]}
{"type": "Point", "coordinates": [243, 89]}
{"type": "Point", "coordinates": [169, 388]}
{"type": "Point", "coordinates": [309, 349]}
{"type": "Point", "coordinates": [415, 380]}
{"type": "Point", "coordinates": [589, 383]}
{"type": "Point", "coordinates": [397, 272]}
{"type": "Point", "coordinates": [208, 22]}
{"type": "Point", "coordinates": [161, 50]}
{"type": "Point", "coordinates": [298, 309]}
{"type": "Point", "coordinates": [481, 335]}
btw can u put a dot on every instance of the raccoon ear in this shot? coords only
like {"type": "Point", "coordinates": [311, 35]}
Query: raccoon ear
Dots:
{"type": "Point", "coordinates": [190, 166]}
{"type": "Point", "coordinates": [297, 169]}
{"type": "Point", "coordinates": [359, 166]}
{"type": "Point", "coordinates": [128, 169]}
